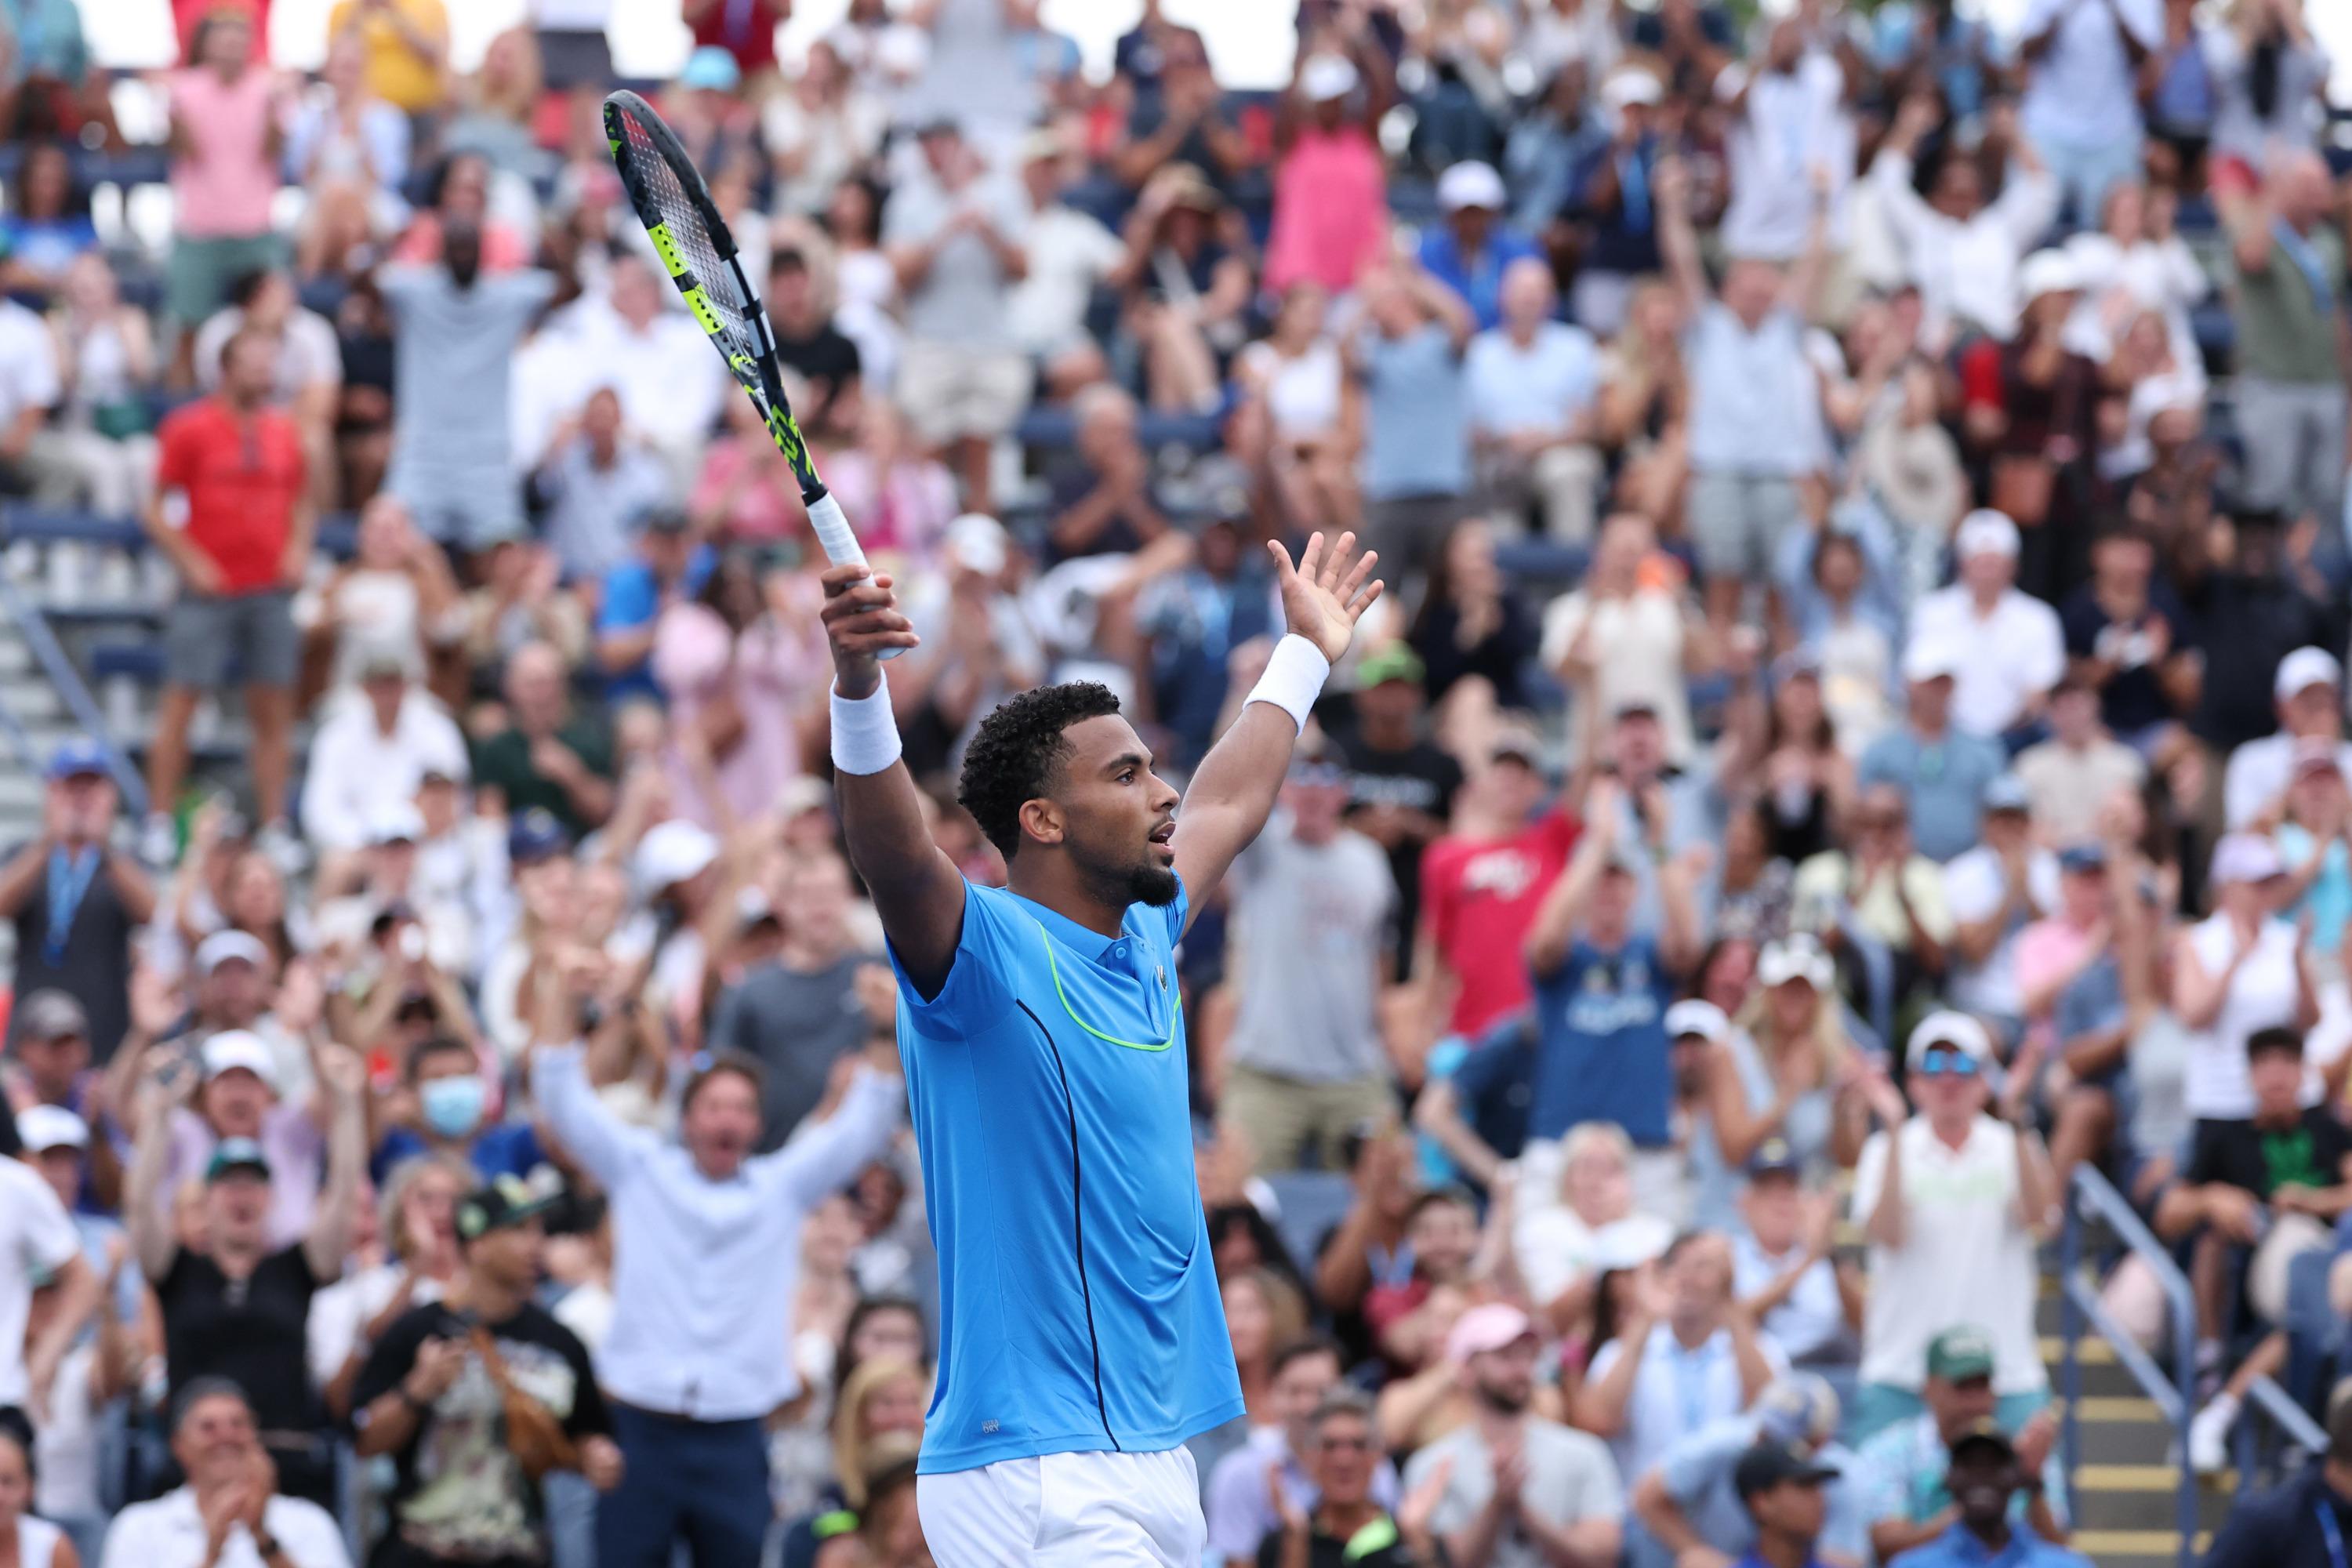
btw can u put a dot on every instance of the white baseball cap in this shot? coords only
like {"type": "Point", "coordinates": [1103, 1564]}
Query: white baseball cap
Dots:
{"type": "Point", "coordinates": [2305, 667]}
{"type": "Point", "coordinates": [1470, 183]}
{"type": "Point", "coordinates": [398, 822]}
{"type": "Point", "coordinates": [1798, 957]}
{"type": "Point", "coordinates": [2048, 272]}
{"type": "Point", "coordinates": [1327, 77]}
{"type": "Point", "coordinates": [975, 542]}
{"type": "Point", "coordinates": [1930, 659]}
{"type": "Point", "coordinates": [1985, 532]}
{"type": "Point", "coordinates": [1632, 85]}
{"type": "Point", "coordinates": [672, 852]}
{"type": "Point", "coordinates": [2246, 858]}
{"type": "Point", "coordinates": [45, 1126]}
{"type": "Point", "coordinates": [233, 1050]}
{"type": "Point", "coordinates": [1947, 1028]}
{"type": "Point", "coordinates": [223, 946]}
{"type": "Point", "coordinates": [1695, 1016]}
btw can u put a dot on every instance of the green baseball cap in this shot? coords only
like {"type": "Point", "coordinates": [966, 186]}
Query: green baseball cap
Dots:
{"type": "Point", "coordinates": [1390, 661]}
{"type": "Point", "coordinates": [1959, 1353]}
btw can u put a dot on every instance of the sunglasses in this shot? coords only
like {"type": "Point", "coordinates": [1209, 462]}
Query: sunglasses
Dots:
{"type": "Point", "coordinates": [1948, 1064]}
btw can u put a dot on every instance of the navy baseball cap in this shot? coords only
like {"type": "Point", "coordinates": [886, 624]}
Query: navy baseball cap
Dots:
{"type": "Point", "coordinates": [77, 758]}
{"type": "Point", "coordinates": [536, 835]}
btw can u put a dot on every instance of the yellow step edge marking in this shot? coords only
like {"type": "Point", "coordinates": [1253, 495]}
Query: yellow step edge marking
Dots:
{"type": "Point", "coordinates": [2119, 1408]}
{"type": "Point", "coordinates": [2139, 1478]}
{"type": "Point", "coordinates": [2093, 1351]}
{"type": "Point", "coordinates": [2101, 1544]}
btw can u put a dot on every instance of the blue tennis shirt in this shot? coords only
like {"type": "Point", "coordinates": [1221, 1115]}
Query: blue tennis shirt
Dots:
{"type": "Point", "coordinates": [1046, 1082]}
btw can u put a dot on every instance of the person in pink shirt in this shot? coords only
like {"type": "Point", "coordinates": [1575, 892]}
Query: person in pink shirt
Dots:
{"type": "Point", "coordinates": [227, 115]}
{"type": "Point", "coordinates": [1330, 197]}
{"type": "Point", "coordinates": [740, 667]}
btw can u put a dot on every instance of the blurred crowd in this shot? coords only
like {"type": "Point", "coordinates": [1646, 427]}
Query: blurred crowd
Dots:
{"type": "Point", "coordinates": [1857, 735]}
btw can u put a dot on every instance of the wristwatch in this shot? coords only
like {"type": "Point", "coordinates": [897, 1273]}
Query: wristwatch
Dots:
{"type": "Point", "coordinates": [265, 1544]}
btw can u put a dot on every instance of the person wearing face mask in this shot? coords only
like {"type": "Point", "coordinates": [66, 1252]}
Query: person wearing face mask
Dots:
{"type": "Point", "coordinates": [451, 1117]}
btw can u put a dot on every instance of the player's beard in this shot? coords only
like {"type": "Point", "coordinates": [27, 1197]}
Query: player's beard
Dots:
{"type": "Point", "coordinates": [1153, 885]}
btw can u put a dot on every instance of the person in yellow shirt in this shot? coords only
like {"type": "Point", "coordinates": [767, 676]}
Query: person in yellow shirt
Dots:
{"type": "Point", "coordinates": [407, 44]}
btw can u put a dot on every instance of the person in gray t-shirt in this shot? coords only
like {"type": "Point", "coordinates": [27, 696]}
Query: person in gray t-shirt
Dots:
{"type": "Point", "coordinates": [1312, 900]}
{"type": "Point", "coordinates": [455, 328]}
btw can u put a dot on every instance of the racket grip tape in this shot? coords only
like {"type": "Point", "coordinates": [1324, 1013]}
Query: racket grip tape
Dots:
{"type": "Point", "coordinates": [840, 544]}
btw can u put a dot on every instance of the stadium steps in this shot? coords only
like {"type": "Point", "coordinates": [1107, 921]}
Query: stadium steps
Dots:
{"type": "Point", "coordinates": [2123, 1484]}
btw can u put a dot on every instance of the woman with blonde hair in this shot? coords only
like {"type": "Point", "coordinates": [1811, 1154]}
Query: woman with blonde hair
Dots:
{"type": "Point", "coordinates": [1785, 1070]}
{"type": "Point", "coordinates": [882, 1396]}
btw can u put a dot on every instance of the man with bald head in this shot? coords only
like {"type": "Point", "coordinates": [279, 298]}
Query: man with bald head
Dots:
{"type": "Point", "coordinates": [550, 754]}
{"type": "Point", "coordinates": [1532, 384]}
{"type": "Point", "coordinates": [2295, 343]}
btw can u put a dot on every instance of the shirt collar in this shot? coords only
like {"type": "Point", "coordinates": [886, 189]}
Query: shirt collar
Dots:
{"type": "Point", "coordinates": [1070, 934]}
{"type": "Point", "coordinates": [1962, 1546]}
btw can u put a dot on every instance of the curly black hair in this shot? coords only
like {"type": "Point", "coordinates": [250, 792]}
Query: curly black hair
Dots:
{"type": "Point", "coordinates": [1016, 750]}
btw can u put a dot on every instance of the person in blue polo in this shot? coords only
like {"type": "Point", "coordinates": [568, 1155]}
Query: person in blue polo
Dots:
{"type": "Point", "coordinates": [1985, 1474]}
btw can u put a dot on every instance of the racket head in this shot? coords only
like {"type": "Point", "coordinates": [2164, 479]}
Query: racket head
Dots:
{"type": "Point", "coordinates": [698, 252]}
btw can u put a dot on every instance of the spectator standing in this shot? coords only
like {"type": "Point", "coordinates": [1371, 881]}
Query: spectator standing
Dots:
{"type": "Point", "coordinates": [1330, 193]}
{"type": "Point", "coordinates": [1943, 1194]}
{"type": "Point", "coordinates": [1314, 906]}
{"type": "Point", "coordinates": [406, 47]}
{"type": "Point", "coordinates": [478, 1397]}
{"type": "Point", "coordinates": [1961, 252]}
{"type": "Point", "coordinates": [2016, 652]}
{"type": "Point", "coordinates": [1518, 1491]}
{"type": "Point", "coordinates": [226, 132]}
{"type": "Point", "coordinates": [2271, 78]}
{"type": "Point", "coordinates": [1531, 383]}
{"type": "Point", "coordinates": [1481, 884]}
{"type": "Point", "coordinates": [229, 1511]}
{"type": "Point", "coordinates": [238, 1308]}
{"type": "Point", "coordinates": [1409, 356]}
{"type": "Point", "coordinates": [455, 329]}
{"type": "Point", "coordinates": [1792, 142]}
{"type": "Point", "coordinates": [953, 239]}
{"type": "Point", "coordinates": [1071, 255]}
{"type": "Point", "coordinates": [38, 1245]}
{"type": "Point", "coordinates": [800, 306]}
{"type": "Point", "coordinates": [1755, 402]}
{"type": "Point", "coordinates": [2288, 301]}
{"type": "Point", "coordinates": [231, 514]}
{"type": "Point", "coordinates": [704, 1235]}
{"type": "Point", "coordinates": [1602, 988]}
{"type": "Point", "coordinates": [2128, 637]}
{"type": "Point", "coordinates": [102, 446]}
{"type": "Point", "coordinates": [1615, 191]}
{"type": "Point", "coordinates": [75, 899]}
{"type": "Point", "coordinates": [2081, 106]}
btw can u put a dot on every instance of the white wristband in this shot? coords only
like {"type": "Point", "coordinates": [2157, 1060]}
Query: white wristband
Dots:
{"type": "Point", "coordinates": [1294, 679]}
{"type": "Point", "coordinates": [864, 731]}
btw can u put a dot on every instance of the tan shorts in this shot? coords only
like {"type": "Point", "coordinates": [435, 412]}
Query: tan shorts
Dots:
{"type": "Point", "coordinates": [950, 392]}
{"type": "Point", "coordinates": [1283, 1118]}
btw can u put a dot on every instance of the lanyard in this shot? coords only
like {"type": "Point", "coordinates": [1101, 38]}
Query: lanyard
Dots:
{"type": "Point", "coordinates": [2330, 1533]}
{"type": "Point", "coordinates": [69, 880]}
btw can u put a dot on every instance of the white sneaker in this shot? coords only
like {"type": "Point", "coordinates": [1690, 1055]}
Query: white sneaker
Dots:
{"type": "Point", "coordinates": [2208, 1435]}
{"type": "Point", "coordinates": [159, 841]}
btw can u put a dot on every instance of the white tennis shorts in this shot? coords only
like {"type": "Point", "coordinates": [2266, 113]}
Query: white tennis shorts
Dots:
{"type": "Point", "coordinates": [1067, 1510]}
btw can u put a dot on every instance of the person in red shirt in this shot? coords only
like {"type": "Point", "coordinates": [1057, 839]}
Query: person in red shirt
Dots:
{"type": "Point", "coordinates": [1480, 888]}
{"type": "Point", "coordinates": [229, 511]}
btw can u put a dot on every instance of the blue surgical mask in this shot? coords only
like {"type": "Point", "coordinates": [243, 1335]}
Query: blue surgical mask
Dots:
{"type": "Point", "coordinates": [453, 1106]}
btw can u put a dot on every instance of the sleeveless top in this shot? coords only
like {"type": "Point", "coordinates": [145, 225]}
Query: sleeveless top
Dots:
{"type": "Point", "coordinates": [1806, 1129]}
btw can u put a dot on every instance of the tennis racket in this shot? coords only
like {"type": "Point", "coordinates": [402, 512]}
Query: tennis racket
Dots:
{"type": "Point", "coordinates": [694, 243]}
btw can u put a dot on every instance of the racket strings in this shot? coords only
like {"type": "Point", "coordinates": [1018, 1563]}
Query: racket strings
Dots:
{"type": "Point", "coordinates": [683, 221]}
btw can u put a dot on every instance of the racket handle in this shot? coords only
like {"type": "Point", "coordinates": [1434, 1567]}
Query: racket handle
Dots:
{"type": "Point", "coordinates": [841, 546]}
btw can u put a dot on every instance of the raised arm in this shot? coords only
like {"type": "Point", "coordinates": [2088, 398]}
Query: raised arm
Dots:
{"type": "Point", "coordinates": [153, 1236]}
{"type": "Point", "coordinates": [1232, 791]}
{"type": "Point", "coordinates": [1556, 919]}
{"type": "Point", "coordinates": [915, 889]}
{"type": "Point", "coordinates": [1677, 240]}
{"type": "Point", "coordinates": [343, 1076]}
{"type": "Point", "coordinates": [827, 1153]}
{"type": "Point", "coordinates": [590, 1133]}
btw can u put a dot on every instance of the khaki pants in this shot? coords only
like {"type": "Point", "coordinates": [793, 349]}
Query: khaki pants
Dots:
{"type": "Point", "coordinates": [1283, 1117]}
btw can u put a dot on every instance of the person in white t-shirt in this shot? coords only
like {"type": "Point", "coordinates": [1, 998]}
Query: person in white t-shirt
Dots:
{"type": "Point", "coordinates": [2016, 649]}
{"type": "Point", "coordinates": [37, 1242]}
{"type": "Point", "coordinates": [2239, 969]}
{"type": "Point", "coordinates": [1949, 1194]}
{"type": "Point", "coordinates": [1790, 118]}
{"type": "Point", "coordinates": [229, 1514]}
{"type": "Point", "coordinates": [2308, 692]}
{"type": "Point", "coordinates": [2081, 106]}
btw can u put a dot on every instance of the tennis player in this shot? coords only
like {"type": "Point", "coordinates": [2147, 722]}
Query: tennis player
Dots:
{"type": "Point", "coordinates": [1081, 1339]}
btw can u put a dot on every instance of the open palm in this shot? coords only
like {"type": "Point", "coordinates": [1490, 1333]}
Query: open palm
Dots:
{"type": "Point", "coordinates": [1323, 596]}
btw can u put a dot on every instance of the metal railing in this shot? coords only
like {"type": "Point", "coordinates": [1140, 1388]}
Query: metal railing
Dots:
{"type": "Point", "coordinates": [2079, 1300]}
{"type": "Point", "coordinates": [72, 690]}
